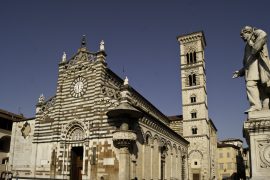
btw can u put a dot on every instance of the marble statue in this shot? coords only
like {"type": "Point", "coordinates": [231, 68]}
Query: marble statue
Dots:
{"type": "Point", "coordinates": [126, 81]}
{"type": "Point", "coordinates": [256, 68]}
{"type": "Point", "coordinates": [102, 46]}
{"type": "Point", "coordinates": [64, 57]}
{"type": "Point", "coordinates": [41, 99]}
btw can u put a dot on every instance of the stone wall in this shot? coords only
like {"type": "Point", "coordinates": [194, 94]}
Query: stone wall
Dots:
{"type": "Point", "coordinates": [22, 149]}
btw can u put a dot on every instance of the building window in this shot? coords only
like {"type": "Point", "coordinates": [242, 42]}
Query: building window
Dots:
{"type": "Point", "coordinates": [192, 79]}
{"type": "Point", "coordinates": [229, 165]}
{"type": "Point", "coordinates": [194, 57]}
{"type": "Point", "coordinates": [191, 58]}
{"type": "Point", "coordinates": [228, 154]}
{"type": "Point", "coordinates": [195, 163]}
{"type": "Point", "coordinates": [193, 99]}
{"type": "Point", "coordinates": [221, 166]}
{"type": "Point", "coordinates": [187, 56]}
{"type": "Point", "coordinates": [193, 115]}
{"type": "Point", "coordinates": [194, 130]}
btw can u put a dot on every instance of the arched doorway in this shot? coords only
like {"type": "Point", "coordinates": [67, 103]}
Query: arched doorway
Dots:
{"type": "Point", "coordinates": [76, 163]}
{"type": "Point", "coordinates": [75, 138]}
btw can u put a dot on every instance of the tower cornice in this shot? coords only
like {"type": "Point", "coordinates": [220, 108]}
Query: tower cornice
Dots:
{"type": "Point", "coordinates": [186, 38]}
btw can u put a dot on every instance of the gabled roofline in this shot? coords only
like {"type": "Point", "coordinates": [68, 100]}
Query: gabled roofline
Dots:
{"type": "Point", "coordinates": [143, 98]}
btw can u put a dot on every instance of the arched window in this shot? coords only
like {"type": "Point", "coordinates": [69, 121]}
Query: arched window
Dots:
{"type": "Point", "coordinates": [187, 56]}
{"type": "Point", "coordinates": [194, 57]}
{"type": "Point", "coordinates": [193, 98]}
{"type": "Point", "coordinates": [193, 114]}
{"type": "Point", "coordinates": [191, 58]}
{"type": "Point", "coordinates": [194, 130]}
{"type": "Point", "coordinates": [192, 80]}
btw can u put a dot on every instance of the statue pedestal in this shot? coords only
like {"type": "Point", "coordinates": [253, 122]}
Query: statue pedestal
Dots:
{"type": "Point", "coordinates": [256, 131]}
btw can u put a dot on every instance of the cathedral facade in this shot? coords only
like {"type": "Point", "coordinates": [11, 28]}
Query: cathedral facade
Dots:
{"type": "Point", "coordinates": [98, 127]}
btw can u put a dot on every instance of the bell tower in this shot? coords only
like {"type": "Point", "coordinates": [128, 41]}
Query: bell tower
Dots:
{"type": "Point", "coordinates": [193, 78]}
{"type": "Point", "coordinates": [198, 129]}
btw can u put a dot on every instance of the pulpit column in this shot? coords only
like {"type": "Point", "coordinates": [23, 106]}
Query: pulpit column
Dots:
{"type": "Point", "coordinates": [123, 140]}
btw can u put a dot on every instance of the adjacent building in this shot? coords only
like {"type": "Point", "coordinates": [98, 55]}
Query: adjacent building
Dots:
{"type": "Point", "coordinates": [98, 127]}
{"type": "Point", "coordinates": [246, 159]}
{"type": "Point", "coordinates": [6, 121]}
{"type": "Point", "coordinates": [231, 164]}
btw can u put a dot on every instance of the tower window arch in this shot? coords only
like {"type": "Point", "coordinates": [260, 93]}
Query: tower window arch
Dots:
{"type": "Point", "coordinates": [193, 98]}
{"type": "Point", "coordinates": [188, 60]}
{"type": "Point", "coordinates": [194, 57]}
{"type": "Point", "coordinates": [194, 130]}
{"type": "Point", "coordinates": [191, 57]}
{"type": "Point", "coordinates": [193, 114]}
{"type": "Point", "coordinates": [192, 79]}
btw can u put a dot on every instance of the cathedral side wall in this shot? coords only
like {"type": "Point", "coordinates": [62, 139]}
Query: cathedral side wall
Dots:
{"type": "Point", "coordinates": [157, 155]}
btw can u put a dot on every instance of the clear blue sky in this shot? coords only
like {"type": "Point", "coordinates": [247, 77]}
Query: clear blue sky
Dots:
{"type": "Point", "coordinates": [139, 36]}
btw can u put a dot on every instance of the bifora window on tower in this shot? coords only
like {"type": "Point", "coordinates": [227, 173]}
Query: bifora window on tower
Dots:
{"type": "Point", "coordinates": [191, 57]}
{"type": "Point", "coordinates": [193, 115]}
{"type": "Point", "coordinates": [194, 130]}
{"type": "Point", "coordinates": [192, 79]}
{"type": "Point", "coordinates": [193, 98]}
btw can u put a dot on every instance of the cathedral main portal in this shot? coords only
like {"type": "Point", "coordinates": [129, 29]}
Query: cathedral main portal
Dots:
{"type": "Point", "coordinates": [76, 163]}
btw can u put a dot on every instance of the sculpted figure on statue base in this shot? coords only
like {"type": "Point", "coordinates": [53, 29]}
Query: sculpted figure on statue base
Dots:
{"type": "Point", "coordinates": [256, 68]}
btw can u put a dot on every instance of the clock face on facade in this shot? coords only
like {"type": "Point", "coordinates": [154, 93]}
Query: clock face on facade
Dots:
{"type": "Point", "coordinates": [78, 87]}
